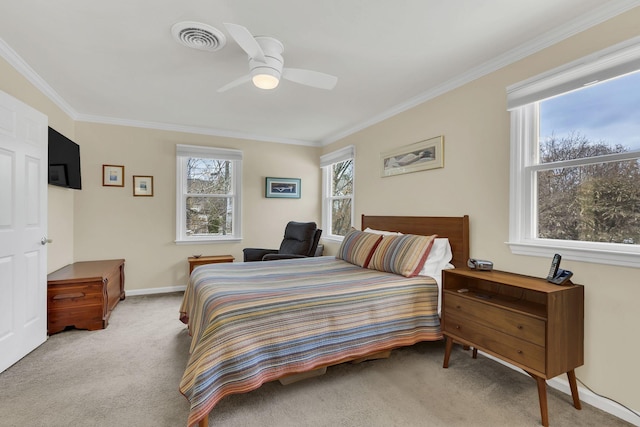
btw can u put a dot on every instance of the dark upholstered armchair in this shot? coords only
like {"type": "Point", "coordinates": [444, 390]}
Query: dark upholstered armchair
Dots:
{"type": "Point", "coordinates": [300, 241]}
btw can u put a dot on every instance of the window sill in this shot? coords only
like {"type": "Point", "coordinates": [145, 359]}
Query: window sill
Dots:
{"type": "Point", "coordinates": [598, 253]}
{"type": "Point", "coordinates": [333, 239]}
{"type": "Point", "coordinates": [208, 241]}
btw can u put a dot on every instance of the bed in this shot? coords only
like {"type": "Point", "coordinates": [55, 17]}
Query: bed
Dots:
{"type": "Point", "coordinates": [251, 323]}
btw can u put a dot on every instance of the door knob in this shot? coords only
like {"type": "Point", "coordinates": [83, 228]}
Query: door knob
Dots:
{"type": "Point", "coordinates": [44, 241]}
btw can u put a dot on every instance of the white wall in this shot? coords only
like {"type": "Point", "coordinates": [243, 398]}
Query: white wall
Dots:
{"type": "Point", "coordinates": [475, 181]}
{"type": "Point", "coordinates": [111, 223]}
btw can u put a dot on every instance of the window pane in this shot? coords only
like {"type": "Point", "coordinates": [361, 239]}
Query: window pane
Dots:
{"type": "Point", "coordinates": [599, 119]}
{"type": "Point", "coordinates": [209, 216]}
{"type": "Point", "coordinates": [208, 176]}
{"type": "Point", "coordinates": [342, 178]}
{"type": "Point", "coordinates": [594, 203]}
{"type": "Point", "coordinates": [340, 216]}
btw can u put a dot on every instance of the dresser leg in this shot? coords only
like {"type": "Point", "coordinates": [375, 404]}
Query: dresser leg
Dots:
{"type": "Point", "coordinates": [574, 389]}
{"type": "Point", "coordinates": [542, 396]}
{"type": "Point", "coordinates": [447, 352]}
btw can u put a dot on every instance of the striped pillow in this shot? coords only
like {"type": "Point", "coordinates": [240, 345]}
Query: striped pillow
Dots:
{"type": "Point", "coordinates": [403, 255]}
{"type": "Point", "coordinates": [357, 247]}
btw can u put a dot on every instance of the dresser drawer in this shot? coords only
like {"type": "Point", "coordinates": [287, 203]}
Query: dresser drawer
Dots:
{"type": "Point", "coordinates": [518, 325]}
{"type": "Point", "coordinates": [485, 338]}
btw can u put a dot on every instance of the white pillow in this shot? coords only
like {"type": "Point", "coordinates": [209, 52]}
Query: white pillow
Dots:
{"type": "Point", "coordinates": [437, 261]}
{"type": "Point", "coordinates": [382, 232]}
{"type": "Point", "coordinates": [438, 258]}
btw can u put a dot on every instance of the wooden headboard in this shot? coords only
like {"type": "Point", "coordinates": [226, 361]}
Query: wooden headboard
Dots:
{"type": "Point", "coordinates": [455, 228]}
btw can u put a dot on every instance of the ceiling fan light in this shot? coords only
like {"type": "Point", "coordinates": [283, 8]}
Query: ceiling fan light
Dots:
{"type": "Point", "coordinates": [265, 81]}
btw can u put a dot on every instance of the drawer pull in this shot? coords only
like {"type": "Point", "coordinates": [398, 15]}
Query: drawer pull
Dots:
{"type": "Point", "coordinates": [458, 307]}
{"type": "Point", "coordinates": [69, 296]}
{"type": "Point", "coordinates": [457, 326]}
{"type": "Point", "coordinates": [519, 326]}
{"type": "Point", "coordinates": [520, 352]}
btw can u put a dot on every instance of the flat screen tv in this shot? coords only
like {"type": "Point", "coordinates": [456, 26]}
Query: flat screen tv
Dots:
{"type": "Point", "coordinates": [64, 161]}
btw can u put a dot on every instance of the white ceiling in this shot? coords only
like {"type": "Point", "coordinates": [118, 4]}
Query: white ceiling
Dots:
{"type": "Point", "coordinates": [116, 61]}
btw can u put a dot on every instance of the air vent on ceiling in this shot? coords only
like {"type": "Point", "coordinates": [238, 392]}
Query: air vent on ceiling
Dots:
{"type": "Point", "coordinates": [198, 36]}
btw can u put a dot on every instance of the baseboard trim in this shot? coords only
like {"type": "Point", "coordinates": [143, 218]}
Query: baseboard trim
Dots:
{"type": "Point", "coordinates": [587, 396]}
{"type": "Point", "coordinates": [151, 291]}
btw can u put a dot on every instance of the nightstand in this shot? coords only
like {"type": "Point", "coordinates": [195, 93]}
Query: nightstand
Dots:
{"type": "Point", "coordinates": [202, 260]}
{"type": "Point", "coordinates": [525, 321]}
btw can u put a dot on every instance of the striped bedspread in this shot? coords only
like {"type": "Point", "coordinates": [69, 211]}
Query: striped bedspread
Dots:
{"type": "Point", "coordinates": [259, 321]}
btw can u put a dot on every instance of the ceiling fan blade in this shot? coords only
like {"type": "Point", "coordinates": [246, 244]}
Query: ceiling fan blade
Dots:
{"type": "Point", "coordinates": [310, 78]}
{"type": "Point", "coordinates": [246, 41]}
{"type": "Point", "coordinates": [236, 82]}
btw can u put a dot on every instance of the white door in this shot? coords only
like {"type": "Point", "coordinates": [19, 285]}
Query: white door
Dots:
{"type": "Point", "coordinates": [23, 225]}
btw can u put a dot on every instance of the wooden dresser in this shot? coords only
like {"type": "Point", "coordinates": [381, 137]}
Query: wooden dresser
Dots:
{"type": "Point", "coordinates": [528, 322]}
{"type": "Point", "coordinates": [84, 294]}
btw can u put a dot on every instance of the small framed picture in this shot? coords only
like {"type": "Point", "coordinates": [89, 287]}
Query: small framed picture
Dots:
{"type": "Point", "coordinates": [286, 188]}
{"type": "Point", "coordinates": [112, 176]}
{"type": "Point", "coordinates": [142, 185]}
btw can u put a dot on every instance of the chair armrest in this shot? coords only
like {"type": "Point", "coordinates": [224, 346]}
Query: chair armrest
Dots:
{"type": "Point", "coordinates": [273, 257]}
{"type": "Point", "coordinates": [256, 254]}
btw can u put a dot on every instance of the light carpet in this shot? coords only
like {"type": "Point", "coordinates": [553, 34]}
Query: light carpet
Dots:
{"type": "Point", "coordinates": [128, 375]}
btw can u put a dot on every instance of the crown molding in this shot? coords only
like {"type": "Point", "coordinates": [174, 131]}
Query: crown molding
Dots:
{"type": "Point", "coordinates": [577, 25]}
{"type": "Point", "coordinates": [570, 28]}
{"type": "Point", "coordinates": [191, 129]}
{"type": "Point", "coordinates": [28, 73]}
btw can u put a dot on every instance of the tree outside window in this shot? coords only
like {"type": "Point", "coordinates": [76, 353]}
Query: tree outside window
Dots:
{"type": "Point", "coordinates": [209, 206]}
{"type": "Point", "coordinates": [575, 153]}
{"type": "Point", "coordinates": [338, 191]}
{"type": "Point", "coordinates": [208, 194]}
{"type": "Point", "coordinates": [341, 197]}
{"type": "Point", "coordinates": [590, 190]}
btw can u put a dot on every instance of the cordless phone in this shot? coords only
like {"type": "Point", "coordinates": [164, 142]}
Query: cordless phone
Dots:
{"type": "Point", "coordinates": [557, 275]}
{"type": "Point", "coordinates": [555, 264]}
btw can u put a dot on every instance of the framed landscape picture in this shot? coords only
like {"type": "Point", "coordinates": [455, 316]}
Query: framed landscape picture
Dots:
{"type": "Point", "coordinates": [423, 155]}
{"type": "Point", "coordinates": [142, 185]}
{"type": "Point", "coordinates": [287, 188]}
{"type": "Point", "coordinates": [112, 176]}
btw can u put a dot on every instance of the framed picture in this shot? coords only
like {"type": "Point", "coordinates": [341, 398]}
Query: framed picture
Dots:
{"type": "Point", "coordinates": [142, 185]}
{"type": "Point", "coordinates": [112, 176]}
{"type": "Point", "coordinates": [288, 188]}
{"type": "Point", "coordinates": [423, 155]}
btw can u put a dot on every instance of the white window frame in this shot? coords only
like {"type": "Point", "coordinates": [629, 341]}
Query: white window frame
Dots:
{"type": "Point", "coordinates": [522, 102]}
{"type": "Point", "coordinates": [326, 162]}
{"type": "Point", "coordinates": [183, 153]}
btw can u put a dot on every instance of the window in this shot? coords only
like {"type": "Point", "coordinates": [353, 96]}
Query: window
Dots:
{"type": "Point", "coordinates": [575, 160]}
{"type": "Point", "coordinates": [337, 189]}
{"type": "Point", "coordinates": [208, 194]}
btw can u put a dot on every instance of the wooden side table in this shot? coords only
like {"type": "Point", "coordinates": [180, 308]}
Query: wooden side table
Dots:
{"type": "Point", "coordinates": [214, 259]}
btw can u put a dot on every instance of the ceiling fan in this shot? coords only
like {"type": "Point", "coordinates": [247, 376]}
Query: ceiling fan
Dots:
{"type": "Point", "coordinates": [266, 64]}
